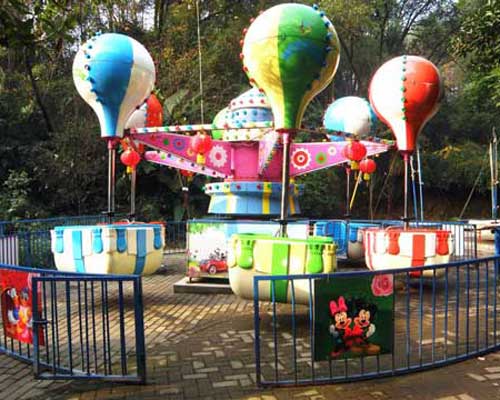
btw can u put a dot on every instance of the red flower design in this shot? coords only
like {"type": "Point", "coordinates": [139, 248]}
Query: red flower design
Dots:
{"type": "Point", "coordinates": [382, 285]}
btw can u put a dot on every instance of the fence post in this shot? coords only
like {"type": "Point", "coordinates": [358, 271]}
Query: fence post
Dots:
{"type": "Point", "coordinates": [35, 325]}
{"type": "Point", "coordinates": [139, 330]}
{"type": "Point", "coordinates": [497, 247]}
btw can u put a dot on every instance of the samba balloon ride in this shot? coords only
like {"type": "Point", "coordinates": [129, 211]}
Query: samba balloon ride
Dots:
{"type": "Point", "coordinates": [290, 53]}
{"type": "Point", "coordinates": [115, 75]}
{"type": "Point", "coordinates": [405, 93]}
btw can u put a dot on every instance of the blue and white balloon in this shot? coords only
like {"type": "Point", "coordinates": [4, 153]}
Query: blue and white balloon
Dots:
{"type": "Point", "coordinates": [114, 74]}
{"type": "Point", "coordinates": [351, 114]}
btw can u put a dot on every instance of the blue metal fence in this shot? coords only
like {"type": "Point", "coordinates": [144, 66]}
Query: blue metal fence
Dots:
{"type": "Point", "coordinates": [175, 240]}
{"type": "Point", "coordinates": [437, 321]}
{"type": "Point", "coordinates": [84, 326]}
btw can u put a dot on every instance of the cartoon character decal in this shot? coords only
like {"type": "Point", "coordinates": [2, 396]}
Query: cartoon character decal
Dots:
{"type": "Point", "coordinates": [341, 322]}
{"type": "Point", "coordinates": [351, 327]}
{"type": "Point", "coordinates": [364, 326]}
{"type": "Point", "coordinates": [15, 298]}
{"type": "Point", "coordinates": [18, 314]}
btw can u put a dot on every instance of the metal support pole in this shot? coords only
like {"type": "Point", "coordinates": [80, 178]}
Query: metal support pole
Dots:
{"type": "Point", "coordinates": [285, 182]}
{"type": "Point", "coordinates": [405, 212]}
{"type": "Point", "coordinates": [494, 175]}
{"type": "Point", "coordinates": [348, 192]}
{"type": "Point", "coordinates": [420, 184]}
{"type": "Point", "coordinates": [133, 184]}
{"type": "Point", "coordinates": [111, 177]}
{"type": "Point", "coordinates": [414, 189]}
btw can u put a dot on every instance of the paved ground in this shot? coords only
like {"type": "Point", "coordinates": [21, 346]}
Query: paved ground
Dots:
{"type": "Point", "coordinates": [201, 347]}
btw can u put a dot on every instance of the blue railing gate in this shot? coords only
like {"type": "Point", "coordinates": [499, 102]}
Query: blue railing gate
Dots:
{"type": "Point", "coordinates": [448, 316]}
{"type": "Point", "coordinates": [88, 327]}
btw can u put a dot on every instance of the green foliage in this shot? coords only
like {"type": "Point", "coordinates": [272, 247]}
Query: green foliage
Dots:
{"type": "Point", "coordinates": [52, 161]}
{"type": "Point", "coordinates": [14, 196]}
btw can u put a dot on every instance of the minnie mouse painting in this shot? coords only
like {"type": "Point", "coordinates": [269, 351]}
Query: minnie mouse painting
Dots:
{"type": "Point", "coordinates": [341, 323]}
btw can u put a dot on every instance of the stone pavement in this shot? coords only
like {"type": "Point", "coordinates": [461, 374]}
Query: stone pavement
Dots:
{"type": "Point", "coordinates": [201, 347]}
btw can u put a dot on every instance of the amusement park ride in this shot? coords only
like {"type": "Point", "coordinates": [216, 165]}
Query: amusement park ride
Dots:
{"type": "Point", "coordinates": [290, 54]}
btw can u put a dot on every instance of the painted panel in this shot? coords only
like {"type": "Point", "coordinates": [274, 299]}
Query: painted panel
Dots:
{"type": "Point", "coordinates": [16, 301]}
{"type": "Point", "coordinates": [353, 316]}
{"type": "Point", "coordinates": [208, 242]}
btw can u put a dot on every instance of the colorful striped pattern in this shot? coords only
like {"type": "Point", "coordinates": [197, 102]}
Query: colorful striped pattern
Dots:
{"type": "Point", "coordinates": [114, 74]}
{"type": "Point", "coordinates": [250, 198]}
{"type": "Point", "coordinates": [290, 51]}
{"type": "Point", "coordinates": [77, 245]}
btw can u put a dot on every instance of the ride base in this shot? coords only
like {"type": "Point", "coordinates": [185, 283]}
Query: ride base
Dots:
{"type": "Point", "coordinates": [108, 249]}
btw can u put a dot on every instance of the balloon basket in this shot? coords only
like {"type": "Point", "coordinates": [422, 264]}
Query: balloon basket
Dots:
{"type": "Point", "coordinates": [119, 248]}
{"type": "Point", "coordinates": [396, 247]}
{"type": "Point", "coordinates": [250, 255]}
{"type": "Point", "coordinates": [347, 235]}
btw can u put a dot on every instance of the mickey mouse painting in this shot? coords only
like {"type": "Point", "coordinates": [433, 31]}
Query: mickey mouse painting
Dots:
{"type": "Point", "coordinates": [364, 315]}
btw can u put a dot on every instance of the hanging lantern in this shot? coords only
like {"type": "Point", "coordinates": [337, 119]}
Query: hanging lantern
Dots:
{"type": "Point", "coordinates": [367, 167]}
{"type": "Point", "coordinates": [354, 151]}
{"type": "Point", "coordinates": [201, 144]}
{"type": "Point", "coordinates": [130, 158]}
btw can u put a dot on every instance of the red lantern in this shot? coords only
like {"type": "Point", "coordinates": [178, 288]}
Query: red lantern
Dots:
{"type": "Point", "coordinates": [201, 144]}
{"type": "Point", "coordinates": [186, 173]}
{"type": "Point", "coordinates": [130, 158]}
{"type": "Point", "coordinates": [154, 112]}
{"type": "Point", "coordinates": [367, 167]}
{"type": "Point", "coordinates": [354, 151]}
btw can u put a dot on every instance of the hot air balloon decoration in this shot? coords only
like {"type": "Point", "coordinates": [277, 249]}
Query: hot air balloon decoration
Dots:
{"type": "Point", "coordinates": [114, 74]}
{"type": "Point", "coordinates": [187, 174]}
{"type": "Point", "coordinates": [291, 53]}
{"type": "Point", "coordinates": [405, 93]}
{"type": "Point", "coordinates": [352, 115]}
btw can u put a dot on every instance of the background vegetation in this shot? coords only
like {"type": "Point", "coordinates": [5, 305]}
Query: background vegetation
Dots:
{"type": "Point", "coordinates": [52, 161]}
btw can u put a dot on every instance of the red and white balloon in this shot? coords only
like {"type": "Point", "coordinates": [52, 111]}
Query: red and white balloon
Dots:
{"type": "Point", "coordinates": [405, 93]}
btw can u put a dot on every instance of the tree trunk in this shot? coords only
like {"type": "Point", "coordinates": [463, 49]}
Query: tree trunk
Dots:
{"type": "Point", "coordinates": [36, 92]}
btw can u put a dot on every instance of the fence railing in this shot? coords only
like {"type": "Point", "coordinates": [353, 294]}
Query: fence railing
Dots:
{"type": "Point", "coordinates": [430, 323]}
{"type": "Point", "coordinates": [9, 250]}
{"type": "Point", "coordinates": [80, 326]}
{"type": "Point", "coordinates": [175, 240]}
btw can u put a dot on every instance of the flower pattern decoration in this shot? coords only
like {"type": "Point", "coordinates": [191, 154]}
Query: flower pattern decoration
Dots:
{"type": "Point", "coordinates": [301, 158]}
{"type": "Point", "coordinates": [218, 156]}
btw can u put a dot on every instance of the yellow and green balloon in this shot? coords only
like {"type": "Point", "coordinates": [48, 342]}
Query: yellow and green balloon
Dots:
{"type": "Point", "coordinates": [291, 52]}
